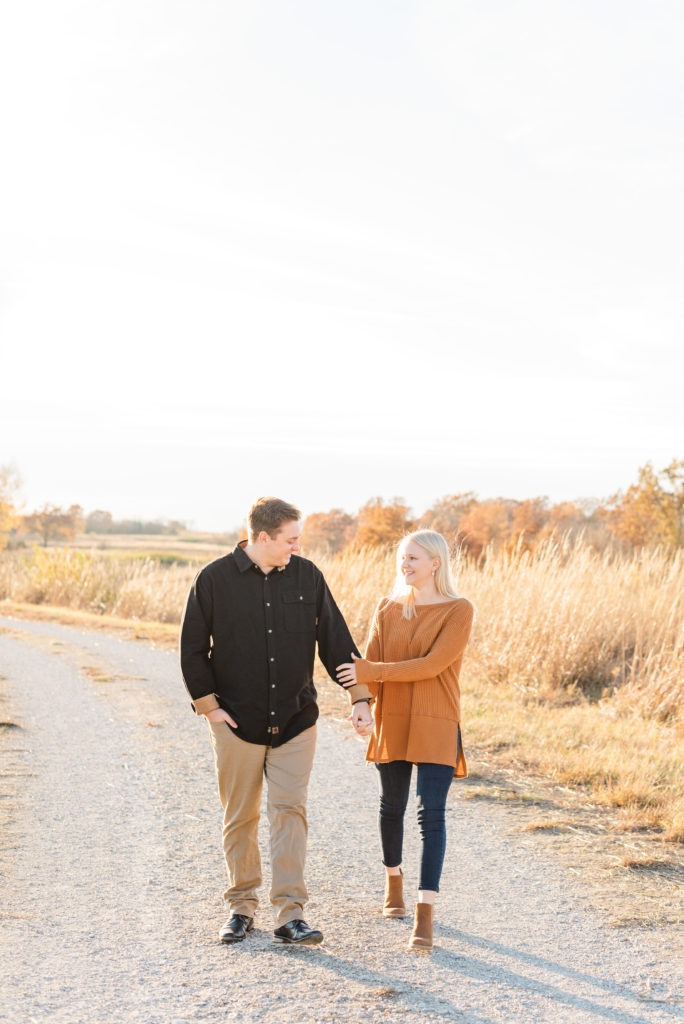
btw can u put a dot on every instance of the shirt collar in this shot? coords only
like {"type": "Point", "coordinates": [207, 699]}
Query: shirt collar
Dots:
{"type": "Point", "coordinates": [244, 562]}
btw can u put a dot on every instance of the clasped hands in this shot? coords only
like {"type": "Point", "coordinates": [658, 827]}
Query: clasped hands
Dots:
{"type": "Point", "coordinates": [361, 717]}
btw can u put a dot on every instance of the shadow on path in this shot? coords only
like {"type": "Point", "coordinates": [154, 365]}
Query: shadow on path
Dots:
{"type": "Point", "coordinates": [477, 968]}
{"type": "Point", "coordinates": [416, 996]}
{"type": "Point", "coordinates": [391, 991]}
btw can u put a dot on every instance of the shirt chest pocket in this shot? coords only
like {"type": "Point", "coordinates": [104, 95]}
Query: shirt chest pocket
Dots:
{"type": "Point", "coordinates": [299, 610]}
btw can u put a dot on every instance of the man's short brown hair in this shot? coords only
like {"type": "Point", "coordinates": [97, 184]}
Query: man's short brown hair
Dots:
{"type": "Point", "coordinates": [269, 514]}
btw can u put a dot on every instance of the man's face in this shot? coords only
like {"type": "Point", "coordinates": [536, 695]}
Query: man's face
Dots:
{"type": "Point", "coordinates": [279, 549]}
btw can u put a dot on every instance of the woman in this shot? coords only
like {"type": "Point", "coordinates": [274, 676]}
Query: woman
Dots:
{"type": "Point", "coordinates": [411, 670]}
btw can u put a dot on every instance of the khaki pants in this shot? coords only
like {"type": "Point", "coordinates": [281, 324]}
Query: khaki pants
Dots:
{"type": "Point", "coordinates": [240, 770]}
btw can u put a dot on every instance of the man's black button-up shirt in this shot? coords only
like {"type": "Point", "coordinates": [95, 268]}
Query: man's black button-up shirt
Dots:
{"type": "Point", "coordinates": [250, 639]}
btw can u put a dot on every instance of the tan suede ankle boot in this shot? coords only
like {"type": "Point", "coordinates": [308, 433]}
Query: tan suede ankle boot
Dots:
{"type": "Point", "coordinates": [421, 937]}
{"type": "Point", "coordinates": [394, 896]}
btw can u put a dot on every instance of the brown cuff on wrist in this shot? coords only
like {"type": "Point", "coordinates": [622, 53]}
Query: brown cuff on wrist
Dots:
{"type": "Point", "coordinates": [204, 704]}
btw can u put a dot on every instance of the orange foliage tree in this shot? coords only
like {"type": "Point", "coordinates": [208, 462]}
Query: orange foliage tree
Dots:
{"type": "Point", "coordinates": [446, 514]}
{"type": "Point", "coordinates": [328, 531]}
{"type": "Point", "coordinates": [381, 522]}
{"type": "Point", "coordinates": [674, 477]}
{"type": "Point", "coordinates": [10, 483]}
{"type": "Point", "coordinates": [486, 522]}
{"type": "Point", "coordinates": [651, 511]}
{"type": "Point", "coordinates": [565, 517]}
{"type": "Point", "coordinates": [528, 520]}
{"type": "Point", "coordinates": [55, 523]}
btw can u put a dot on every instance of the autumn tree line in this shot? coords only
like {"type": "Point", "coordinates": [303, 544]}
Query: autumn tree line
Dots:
{"type": "Point", "coordinates": [649, 513]}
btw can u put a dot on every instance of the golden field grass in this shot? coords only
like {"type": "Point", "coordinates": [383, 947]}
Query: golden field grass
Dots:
{"type": "Point", "coordinates": [574, 674]}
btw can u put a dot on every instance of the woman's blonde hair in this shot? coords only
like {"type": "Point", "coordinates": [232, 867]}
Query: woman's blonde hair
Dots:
{"type": "Point", "coordinates": [436, 547]}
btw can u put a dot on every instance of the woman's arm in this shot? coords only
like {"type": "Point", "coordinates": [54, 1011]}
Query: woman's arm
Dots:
{"type": "Point", "coordinates": [449, 645]}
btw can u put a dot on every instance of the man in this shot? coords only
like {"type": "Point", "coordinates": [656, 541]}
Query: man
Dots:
{"type": "Point", "coordinates": [248, 641]}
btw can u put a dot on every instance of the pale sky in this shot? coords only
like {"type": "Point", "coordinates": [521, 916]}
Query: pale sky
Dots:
{"type": "Point", "coordinates": [331, 251]}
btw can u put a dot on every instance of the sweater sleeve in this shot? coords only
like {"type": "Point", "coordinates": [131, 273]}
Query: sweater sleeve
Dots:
{"type": "Point", "coordinates": [448, 646]}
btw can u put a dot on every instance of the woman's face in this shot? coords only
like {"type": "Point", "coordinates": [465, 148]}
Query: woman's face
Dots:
{"type": "Point", "coordinates": [415, 564]}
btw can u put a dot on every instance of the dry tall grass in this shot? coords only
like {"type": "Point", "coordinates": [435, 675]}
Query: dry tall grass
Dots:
{"type": "Point", "coordinates": [567, 618]}
{"type": "Point", "coordinates": [575, 668]}
{"type": "Point", "coordinates": [135, 587]}
{"type": "Point", "coordinates": [562, 620]}
{"type": "Point", "coordinates": [574, 671]}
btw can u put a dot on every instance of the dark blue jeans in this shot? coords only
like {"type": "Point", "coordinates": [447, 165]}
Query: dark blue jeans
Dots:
{"type": "Point", "coordinates": [432, 786]}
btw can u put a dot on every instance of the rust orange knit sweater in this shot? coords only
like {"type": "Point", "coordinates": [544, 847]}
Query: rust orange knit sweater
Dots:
{"type": "Point", "coordinates": [412, 668]}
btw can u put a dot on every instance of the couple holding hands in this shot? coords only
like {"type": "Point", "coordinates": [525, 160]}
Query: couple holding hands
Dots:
{"type": "Point", "coordinates": [248, 640]}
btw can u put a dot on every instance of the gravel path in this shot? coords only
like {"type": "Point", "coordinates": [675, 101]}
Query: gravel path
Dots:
{"type": "Point", "coordinates": [112, 878]}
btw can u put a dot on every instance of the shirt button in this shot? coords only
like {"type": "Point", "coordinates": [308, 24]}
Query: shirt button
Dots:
{"type": "Point", "coordinates": [270, 630]}
{"type": "Point", "coordinates": [272, 659]}
{"type": "Point", "coordinates": [273, 712]}
{"type": "Point", "coordinates": [268, 604]}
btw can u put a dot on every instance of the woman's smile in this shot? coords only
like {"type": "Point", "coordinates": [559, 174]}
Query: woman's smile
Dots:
{"type": "Point", "coordinates": [417, 567]}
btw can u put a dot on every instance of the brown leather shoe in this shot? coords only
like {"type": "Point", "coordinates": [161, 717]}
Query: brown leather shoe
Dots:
{"type": "Point", "coordinates": [394, 897]}
{"type": "Point", "coordinates": [421, 937]}
{"type": "Point", "coordinates": [236, 928]}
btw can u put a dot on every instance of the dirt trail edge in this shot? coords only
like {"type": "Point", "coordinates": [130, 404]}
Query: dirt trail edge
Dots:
{"type": "Point", "coordinates": [112, 878]}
